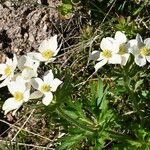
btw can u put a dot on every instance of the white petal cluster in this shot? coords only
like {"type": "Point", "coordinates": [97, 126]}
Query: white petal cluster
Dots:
{"type": "Point", "coordinates": [7, 70]}
{"type": "Point", "coordinates": [117, 50]}
{"type": "Point", "coordinates": [21, 77]}
{"type": "Point", "coordinates": [109, 53]}
{"type": "Point", "coordinates": [20, 93]}
{"type": "Point", "coordinates": [45, 87]}
{"type": "Point", "coordinates": [47, 51]}
{"type": "Point", "coordinates": [141, 50]}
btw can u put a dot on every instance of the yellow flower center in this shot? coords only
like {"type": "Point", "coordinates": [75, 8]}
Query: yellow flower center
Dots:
{"type": "Point", "coordinates": [45, 88]}
{"type": "Point", "coordinates": [47, 54]}
{"type": "Point", "coordinates": [8, 71]}
{"type": "Point", "coordinates": [106, 53]}
{"type": "Point", "coordinates": [18, 96]}
{"type": "Point", "coordinates": [27, 67]}
{"type": "Point", "coordinates": [122, 49]}
{"type": "Point", "coordinates": [144, 51]}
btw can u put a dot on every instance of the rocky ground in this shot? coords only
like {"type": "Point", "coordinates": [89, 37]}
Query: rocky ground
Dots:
{"type": "Point", "coordinates": [23, 27]}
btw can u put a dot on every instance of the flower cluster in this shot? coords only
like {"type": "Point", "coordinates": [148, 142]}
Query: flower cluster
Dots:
{"type": "Point", "coordinates": [21, 77]}
{"type": "Point", "coordinates": [118, 49]}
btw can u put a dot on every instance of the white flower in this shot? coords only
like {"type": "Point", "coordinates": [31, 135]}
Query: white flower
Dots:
{"type": "Point", "coordinates": [45, 87]}
{"type": "Point", "coordinates": [20, 94]}
{"type": "Point", "coordinates": [48, 49]}
{"type": "Point", "coordinates": [28, 67]}
{"type": "Point", "coordinates": [140, 49]}
{"type": "Point", "coordinates": [109, 53]}
{"type": "Point", "coordinates": [7, 70]}
{"type": "Point", "coordinates": [121, 43]}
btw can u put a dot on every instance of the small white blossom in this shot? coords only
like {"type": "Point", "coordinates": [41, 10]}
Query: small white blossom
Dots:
{"type": "Point", "coordinates": [109, 53]}
{"type": "Point", "coordinates": [45, 87]}
{"type": "Point", "coordinates": [140, 49]}
{"type": "Point", "coordinates": [48, 49]}
{"type": "Point", "coordinates": [20, 94]}
{"type": "Point", "coordinates": [7, 70]}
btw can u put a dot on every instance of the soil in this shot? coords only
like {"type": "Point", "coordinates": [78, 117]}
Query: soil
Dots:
{"type": "Point", "coordinates": [23, 27]}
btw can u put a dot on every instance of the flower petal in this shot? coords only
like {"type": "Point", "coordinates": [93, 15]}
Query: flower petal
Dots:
{"type": "Point", "coordinates": [106, 44]}
{"type": "Point", "coordinates": [124, 59]}
{"type": "Point", "coordinates": [94, 55]}
{"type": "Point", "coordinates": [47, 98]}
{"type": "Point", "coordinates": [9, 62]}
{"type": "Point", "coordinates": [55, 84]}
{"type": "Point", "coordinates": [147, 43]}
{"type": "Point", "coordinates": [101, 57]}
{"type": "Point", "coordinates": [114, 48]}
{"type": "Point", "coordinates": [15, 62]}
{"type": "Point", "coordinates": [50, 44]}
{"type": "Point", "coordinates": [5, 82]}
{"type": "Point", "coordinates": [139, 40]}
{"type": "Point", "coordinates": [50, 60]}
{"type": "Point", "coordinates": [43, 46]}
{"type": "Point", "coordinates": [2, 67]}
{"type": "Point", "coordinates": [36, 65]}
{"type": "Point", "coordinates": [132, 42]}
{"type": "Point", "coordinates": [148, 58]}
{"type": "Point", "coordinates": [21, 62]}
{"type": "Point", "coordinates": [48, 77]}
{"type": "Point", "coordinates": [28, 73]}
{"type": "Point", "coordinates": [18, 85]}
{"type": "Point", "coordinates": [127, 47]}
{"type": "Point", "coordinates": [100, 64]}
{"type": "Point", "coordinates": [140, 61]}
{"type": "Point", "coordinates": [36, 82]}
{"type": "Point", "coordinates": [36, 95]}
{"type": "Point", "coordinates": [133, 47]}
{"type": "Point", "coordinates": [115, 59]}
{"type": "Point", "coordinates": [120, 37]}
{"type": "Point", "coordinates": [36, 56]}
{"type": "Point", "coordinates": [11, 104]}
{"type": "Point", "coordinates": [26, 95]}
{"type": "Point", "coordinates": [3, 77]}
{"type": "Point", "coordinates": [58, 49]}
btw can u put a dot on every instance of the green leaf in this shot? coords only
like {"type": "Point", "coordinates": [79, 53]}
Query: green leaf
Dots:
{"type": "Point", "coordinates": [65, 9]}
{"type": "Point", "coordinates": [69, 141]}
{"type": "Point", "coordinates": [138, 83]}
{"type": "Point", "coordinates": [71, 114]}
{"type": "Point", "coordinates": [63, 94]}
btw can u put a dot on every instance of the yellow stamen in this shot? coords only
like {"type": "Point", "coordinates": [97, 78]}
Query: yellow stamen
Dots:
{"type": "Point", "coordinates": [8, 71]}
{"type": "Point", "coordinates": [18, 96]}
{"type": "Point", "coordinates": [144, 51]}
{"type": "Point", "coordinates": [47, 54]}
{"type": "Point", "coordinates": [122, 49]}
{"type": "Point", "coordinates": [45, 88]}
{"type": "Point", "coordinates": [27, 67]}
{"type": "Point", "coordinates": [106, 53]}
